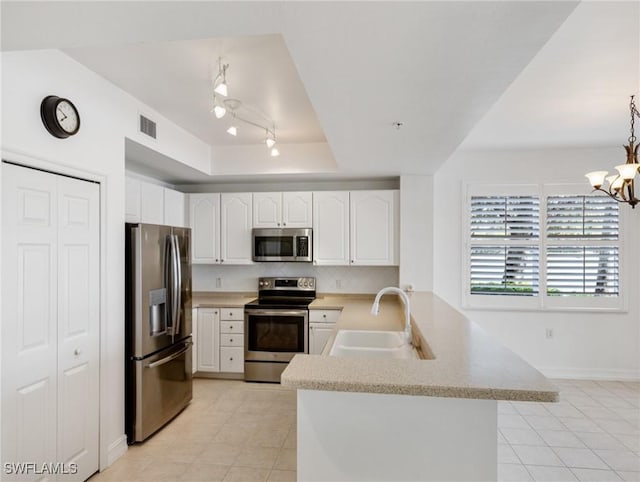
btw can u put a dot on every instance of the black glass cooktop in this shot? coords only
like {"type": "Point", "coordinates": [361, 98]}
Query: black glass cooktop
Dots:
{"type": "Point", "coordinates": [280, 303]}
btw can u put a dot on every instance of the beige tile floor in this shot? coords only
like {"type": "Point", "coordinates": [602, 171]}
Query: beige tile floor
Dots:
{"type": "Point", "coordinates": [236, 431]}
{"type": "Point", "coordinates": [231, 431]}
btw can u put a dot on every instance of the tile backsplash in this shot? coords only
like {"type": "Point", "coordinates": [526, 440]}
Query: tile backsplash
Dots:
{"type": "Point", "coordinates": [329, 279]}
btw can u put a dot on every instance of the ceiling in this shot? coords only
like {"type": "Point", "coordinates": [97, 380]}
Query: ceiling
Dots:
{"type": "Point", "coordinates": [335, 76]}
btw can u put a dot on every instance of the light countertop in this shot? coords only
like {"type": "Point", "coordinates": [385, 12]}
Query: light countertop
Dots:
{"type": "Point", "coordinates": [466, 362]}
{"type": "Point", "coordinates": [213, 299]}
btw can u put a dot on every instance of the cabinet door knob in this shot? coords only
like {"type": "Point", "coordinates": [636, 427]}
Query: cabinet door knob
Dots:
{"type": "Point", "coordinates": [77, 351]}
{"type": "Point", "coordinates": [284, 224]}
{"type": "Point", "coordinates": [231, 340]}
{"type": "Point", "coordinates": [230, 358]}
{"type": "Point", "coordinates": [324, 316]}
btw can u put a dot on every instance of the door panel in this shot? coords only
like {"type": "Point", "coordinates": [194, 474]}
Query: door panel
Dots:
{"type": "Point", "coordinates": [50, 330]}
{"type": "Point", "coordinates": [29, 315]}
{"type": "Point", "coordinates": [78, 324]}
{"type": "Point", "coordinates": [150, 251]}
{"type": "Point", "coordinates": [235, 244]}
{"type": "Point", "coordinates": [168, 373]}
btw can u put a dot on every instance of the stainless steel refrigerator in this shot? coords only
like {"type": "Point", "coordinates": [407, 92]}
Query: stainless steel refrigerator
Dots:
{"type": "Point", "coordinates": [158, 376]}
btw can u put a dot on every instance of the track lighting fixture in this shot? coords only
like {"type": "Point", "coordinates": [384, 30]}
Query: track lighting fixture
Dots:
{"type": "Point", "coordinates": [239, 111]}
{"type": "Point", "coordinates": [220, 81]}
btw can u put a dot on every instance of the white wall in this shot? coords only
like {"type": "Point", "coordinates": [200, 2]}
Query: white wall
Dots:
{"type": "Point", "coordinates": [585, 344]}
{"type": "Point", "coordinates": [107, 115]}
{"type": "Point", "coordinates": [329, 279]}
{"type": "Point", "coordinates": [416, 232]}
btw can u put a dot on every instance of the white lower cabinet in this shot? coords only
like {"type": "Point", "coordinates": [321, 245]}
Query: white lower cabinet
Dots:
{"type": "Point", "coordinates": [321, 324]}
{"type": "Point", "coordinates": [208, 340]}
{"type": "Point", "coordinates": [220, 340]}
{"type": "Point", "coordinates": [232, 340]}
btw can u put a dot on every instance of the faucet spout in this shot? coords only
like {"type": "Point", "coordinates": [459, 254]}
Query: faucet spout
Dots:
{"type": "Point", "coordinates": [407, 310]}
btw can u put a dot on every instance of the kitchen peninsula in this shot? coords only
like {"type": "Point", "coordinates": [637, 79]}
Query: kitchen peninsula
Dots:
{"type": "Point", "coordinates": [404, 419]}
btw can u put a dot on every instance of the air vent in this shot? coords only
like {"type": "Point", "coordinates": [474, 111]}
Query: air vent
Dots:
{"type": "Point", "coordinates": [147, 126]}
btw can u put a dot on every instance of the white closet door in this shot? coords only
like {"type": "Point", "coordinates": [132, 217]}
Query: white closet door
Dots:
{"type": "Point", "coordinates": [29, 316]}
{"type": "Point", "coordinates": [78, 324]}
{"type": "Point", "coordinates": [50, 328]}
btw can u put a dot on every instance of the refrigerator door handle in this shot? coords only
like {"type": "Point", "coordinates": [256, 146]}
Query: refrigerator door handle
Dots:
{"type": "Point", "coordinates": [170, 357]}
{"type": "Point", "coordinates": [168, 281]}
{"type": "Point", "coordinates": [177, 286]}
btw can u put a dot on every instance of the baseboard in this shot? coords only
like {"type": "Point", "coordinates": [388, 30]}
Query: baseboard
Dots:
{"type": "Point", "coordinates": [600, 374]}
{"type": "Point", "coordinates": [117, 449]}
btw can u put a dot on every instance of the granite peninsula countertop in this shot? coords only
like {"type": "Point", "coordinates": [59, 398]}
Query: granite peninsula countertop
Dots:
{"type": "Point", "coordinates": [462, 361]}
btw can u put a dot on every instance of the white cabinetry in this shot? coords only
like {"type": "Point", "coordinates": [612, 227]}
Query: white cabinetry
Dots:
{"type": "Point", "coordinates": [219, 339]}
{"type": "Point", "coordinates": [232, 340]}
{"type": "Point", "coordinates": [221, 228]}
{"type": "Point", "coordinates": [150, 203]}
{"type": "Point", "coordinates": [286, 209]}
{"type": "Point", "coordinates": [321, 325]}
{"type": "Point", "coordinates": [208, 340]}
{"type": "Point", "coordinates": [235, 228]}
{"type": "Point", "coordinates": [204, 218]}
{"type": "Point", "coordinates": [331, 228]}
{"type": "Point", "coordinates": [374, 228]}
{"type": "Point", "coordinates": [174, 208]}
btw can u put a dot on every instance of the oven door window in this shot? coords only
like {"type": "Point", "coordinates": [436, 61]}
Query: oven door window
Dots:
{"type": "Point", "coordinates": [276, 333]}
{"type": "Point", "coordinates": [278, 246]}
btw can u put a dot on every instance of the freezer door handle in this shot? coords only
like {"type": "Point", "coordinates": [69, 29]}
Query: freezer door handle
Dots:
{"type": "Point", "coordinates": [170, 357]}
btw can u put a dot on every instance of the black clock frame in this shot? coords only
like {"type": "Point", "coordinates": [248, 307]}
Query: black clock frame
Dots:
{"type": "Point", "coordinates": [48, 108]}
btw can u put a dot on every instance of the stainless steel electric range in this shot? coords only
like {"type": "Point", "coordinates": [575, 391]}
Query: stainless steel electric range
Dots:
{"type": "Point", "coordinates": [276, 326]}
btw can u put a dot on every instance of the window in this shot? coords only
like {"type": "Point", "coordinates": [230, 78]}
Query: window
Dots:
{"type": "Point", "coordinates": [580, 257]}
{"type": "Point", "coordinates": [537, 247]}
{"type": "Point", "coordinates": [503, 260]}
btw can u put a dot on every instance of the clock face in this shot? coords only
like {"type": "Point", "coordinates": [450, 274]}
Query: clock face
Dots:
{"type": "Point", "coordinates": [67, 116]}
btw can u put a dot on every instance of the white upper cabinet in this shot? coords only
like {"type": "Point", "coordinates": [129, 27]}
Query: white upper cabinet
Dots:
{"type": "Point", "coordinates": [174, 208]}
{"type": "Point", "coordinates": [374, 227]}
{"type": "Point", "coordinates": [220, 228]}
{"type": "Point", "coordinates": [267, 209]}
{"type": "Point", "coordinates": [204, 219]}
{"type": "Point", "coordinates": [132, 200]}
{"type": "Point", "coordinates": [331, 228]}
{"type": "Point", "coordinates": [282, 210]}
{"type": "Point", "coordinates": [235, 228]}
{"type": "Point", "coordinates": [150, 203]}
{"type": "Point", "coordinates": [297, 209]}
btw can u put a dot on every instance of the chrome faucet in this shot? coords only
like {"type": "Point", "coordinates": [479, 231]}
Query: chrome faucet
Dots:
{"type": "Point", "coordinates": [375, 307]}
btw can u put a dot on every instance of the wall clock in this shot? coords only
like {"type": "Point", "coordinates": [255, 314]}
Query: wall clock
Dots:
{"type": "Point", "coordinates": [59, 116]}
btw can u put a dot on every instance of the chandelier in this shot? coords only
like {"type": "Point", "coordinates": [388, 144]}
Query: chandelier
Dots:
{"type": "Point", "coordinates": [239, 112]}
{"type": "Point", "coordinates": [621, 185]}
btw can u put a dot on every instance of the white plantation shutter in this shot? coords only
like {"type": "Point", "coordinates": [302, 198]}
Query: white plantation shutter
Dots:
{"type": "Point", "coordinates": [563, 254]}
{"type": "Point", "coordinates": [582, 253]}
{"type": "Point", "coordinates": [503, 261]}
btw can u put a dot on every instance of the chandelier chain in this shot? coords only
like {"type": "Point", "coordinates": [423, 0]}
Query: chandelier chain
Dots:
{"type": "Point", "coordinates": [634, 112]}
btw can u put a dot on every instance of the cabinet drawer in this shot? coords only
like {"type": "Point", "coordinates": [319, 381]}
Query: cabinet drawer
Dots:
{"type": "Point", "coordinates": [324, 316]}
{"type": "Point", "coordinates": [231, 327]}
{"type": "Point", "coordinates": [232, 359]}
{"type": "Point", "coordinates": [232, 340]}
{"type": "Point", "coordinates": [232, 314]}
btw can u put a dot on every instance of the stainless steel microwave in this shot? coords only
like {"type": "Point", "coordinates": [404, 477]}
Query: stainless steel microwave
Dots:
{"type": "Point", "coordinates": [286, 244]}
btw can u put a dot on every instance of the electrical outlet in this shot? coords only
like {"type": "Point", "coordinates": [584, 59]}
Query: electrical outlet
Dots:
{"type": "Point", "coordinates": [549, 333]}
{"type": "Point", "coordinates": [218, 282]}
{"type": "Point", "coordinates": [338, 283]}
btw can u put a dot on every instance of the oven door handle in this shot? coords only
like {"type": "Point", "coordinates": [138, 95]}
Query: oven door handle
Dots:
{"type": "Point", "coordinates": [275, 313]}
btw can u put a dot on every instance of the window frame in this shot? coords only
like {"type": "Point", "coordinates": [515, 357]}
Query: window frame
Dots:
{"type": "Point", "coordinates": [541, 301]}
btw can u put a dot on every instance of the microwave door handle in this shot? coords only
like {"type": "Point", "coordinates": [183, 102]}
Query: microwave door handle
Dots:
{"type": "Point", "coordinates": [177, 284]}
